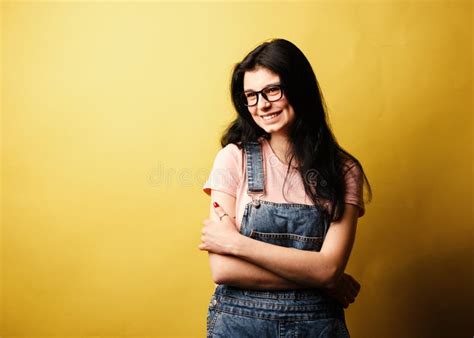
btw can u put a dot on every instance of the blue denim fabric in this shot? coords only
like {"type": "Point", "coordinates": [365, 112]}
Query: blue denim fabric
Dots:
{"type": "Point", "coordinates": [239, 313]}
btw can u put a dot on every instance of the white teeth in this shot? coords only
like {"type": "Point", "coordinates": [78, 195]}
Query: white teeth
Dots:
{"type": "Point", "coordinates": [269, 117]}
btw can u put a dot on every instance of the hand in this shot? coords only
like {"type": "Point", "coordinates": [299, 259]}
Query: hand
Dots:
{"type": "Point", "coordinates": [344, 290]}
{"type": "Point", "coordinates": [219, 236]}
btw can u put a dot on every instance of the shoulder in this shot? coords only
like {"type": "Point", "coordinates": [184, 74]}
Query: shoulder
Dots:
{"type": "Point", "coordinates": [232, 149]}
{"type": "Point", "coordinates": [351, 168]}
{"type": "Point", "coordinates": [226, 172]}
{"type": "Point", "coordinates": [354, 181]}
{"type": "Point", "coordinates": [229, 158]}
{"type": "Point", "coordinates": [230, 152]}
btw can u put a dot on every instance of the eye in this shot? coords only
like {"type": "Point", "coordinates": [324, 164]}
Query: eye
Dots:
{"type": "Point", "coordinates": [249, 95]}
{"type": "Point", "coordinates": [272, 90]}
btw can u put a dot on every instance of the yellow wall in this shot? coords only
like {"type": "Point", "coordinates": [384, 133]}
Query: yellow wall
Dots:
{"type": "Point", "coordinates": [111, 115]}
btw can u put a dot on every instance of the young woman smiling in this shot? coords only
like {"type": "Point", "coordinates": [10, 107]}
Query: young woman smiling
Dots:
{"type": "Point", "coordinates": [285, 200]}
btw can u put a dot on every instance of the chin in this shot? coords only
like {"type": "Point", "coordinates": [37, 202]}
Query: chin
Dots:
{"type": "Point", "coordinates": [272, 128]}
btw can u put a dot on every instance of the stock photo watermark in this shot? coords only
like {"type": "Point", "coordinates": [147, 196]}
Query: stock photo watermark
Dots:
{"type": "Point", "coordinates": [163, 176]}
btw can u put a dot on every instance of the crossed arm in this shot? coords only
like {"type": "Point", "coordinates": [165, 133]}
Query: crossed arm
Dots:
{"type": "Point", "coordinates": [257, 265]}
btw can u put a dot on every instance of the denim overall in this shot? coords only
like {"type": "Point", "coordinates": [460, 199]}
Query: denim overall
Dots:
{"type": "Point", "coordinates": [240, 313]}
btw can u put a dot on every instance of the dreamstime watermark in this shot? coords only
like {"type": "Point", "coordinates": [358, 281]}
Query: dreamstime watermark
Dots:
{"type": "Point", "coordinates": [311, 178]}
{"type": "Point", "coordinates": [162, 176]}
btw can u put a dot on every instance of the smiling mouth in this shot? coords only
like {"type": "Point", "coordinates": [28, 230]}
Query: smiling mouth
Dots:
{"type": "Point", "coordinates": [270, 116]}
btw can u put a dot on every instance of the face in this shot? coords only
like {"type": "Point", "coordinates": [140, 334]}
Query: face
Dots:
{"type": "Point", "coordinates": [264, 112]}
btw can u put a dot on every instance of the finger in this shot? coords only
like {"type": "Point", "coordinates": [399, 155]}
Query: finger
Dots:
{"type": "Point", "coordinates": [218, 209]}
{"type": "Point", "coordinates": [354, 286]}
{"type": "Point", "coordinates": [356, 293]}
{"type": "Point", "coordinates": [356, 283]}
{"type": "Point", "coordinates": [220, 212]}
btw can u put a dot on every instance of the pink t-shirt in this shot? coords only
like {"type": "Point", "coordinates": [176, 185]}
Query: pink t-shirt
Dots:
{"type": "Point", "coordinates": [228, 175]}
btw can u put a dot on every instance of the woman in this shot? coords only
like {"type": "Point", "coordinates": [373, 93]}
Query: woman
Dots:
{"type": "Point", "coordinates": [285, 199]}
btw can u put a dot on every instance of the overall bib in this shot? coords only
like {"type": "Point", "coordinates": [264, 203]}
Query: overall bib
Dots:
{"type": "Point", "coordinates": [240, 313]}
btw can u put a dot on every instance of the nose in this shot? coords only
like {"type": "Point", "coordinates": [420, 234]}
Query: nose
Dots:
{"type": "Point", "coordinates": [262, 102]}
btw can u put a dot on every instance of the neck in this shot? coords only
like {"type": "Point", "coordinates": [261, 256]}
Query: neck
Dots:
{"type": "Point", "coordinates": [281, 147]}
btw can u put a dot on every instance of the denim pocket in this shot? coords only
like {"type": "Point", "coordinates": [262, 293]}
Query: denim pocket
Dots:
{"type": "Point", "coordinates": [288, 240]}
{"type": "Point", "coordinates": [211, 315]}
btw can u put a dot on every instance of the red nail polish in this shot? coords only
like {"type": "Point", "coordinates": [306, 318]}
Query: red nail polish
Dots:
{"type": "Point", "coordinates": [215, 204]}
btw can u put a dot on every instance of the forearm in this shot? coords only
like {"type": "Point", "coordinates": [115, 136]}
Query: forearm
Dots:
{"type": "Point", "coordinates": [231, 270]}
{"type": "Point", "coordinates": [303, 267]}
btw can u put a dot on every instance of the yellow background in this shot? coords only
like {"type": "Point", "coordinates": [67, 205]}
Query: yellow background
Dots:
{"type": "Point", "coordinates": [111, 116]}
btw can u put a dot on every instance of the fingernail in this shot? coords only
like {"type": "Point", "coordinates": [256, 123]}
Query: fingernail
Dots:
{"type": "Point", "coordinates": [215, 204]}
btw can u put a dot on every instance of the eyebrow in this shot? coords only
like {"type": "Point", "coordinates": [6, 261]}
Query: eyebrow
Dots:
{"type": "Point", "coordinates": [271, 84]}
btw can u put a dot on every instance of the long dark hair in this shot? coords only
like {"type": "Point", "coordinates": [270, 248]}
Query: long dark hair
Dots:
{"type": "Point", "coordinates": [314, 147]}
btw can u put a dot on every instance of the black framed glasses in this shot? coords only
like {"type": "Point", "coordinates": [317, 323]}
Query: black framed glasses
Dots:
{"type": "Point", "coordinates": [270, 93]}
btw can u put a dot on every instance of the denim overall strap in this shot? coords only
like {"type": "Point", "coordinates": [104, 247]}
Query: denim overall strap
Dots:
{"type": "Point", "coordinates": [255, 169]}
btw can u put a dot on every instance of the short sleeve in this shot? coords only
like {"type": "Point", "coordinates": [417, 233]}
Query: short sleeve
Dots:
{"type": "Point", "coordinates": [354, 180]}
{"type": "Point", "coordinates": [226, 172]}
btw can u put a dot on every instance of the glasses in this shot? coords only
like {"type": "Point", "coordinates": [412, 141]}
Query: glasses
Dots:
{"type": "Point", "coordinates": [271, 93]}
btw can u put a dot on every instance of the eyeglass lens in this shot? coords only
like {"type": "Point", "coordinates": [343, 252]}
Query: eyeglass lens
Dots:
{"type": "Point", "coordinates": [271, 94]}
